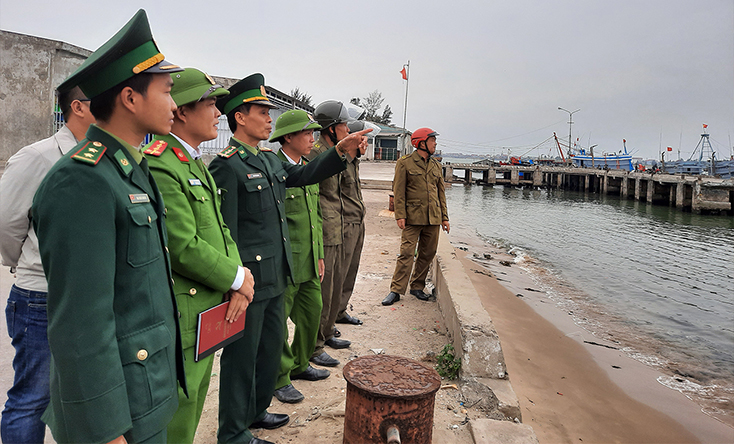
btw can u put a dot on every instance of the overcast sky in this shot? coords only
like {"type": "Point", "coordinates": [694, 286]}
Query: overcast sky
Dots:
{"type": "Point", "coordinates": [487, 76]}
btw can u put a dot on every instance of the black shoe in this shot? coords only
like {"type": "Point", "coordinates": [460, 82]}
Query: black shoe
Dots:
{"type": "Point", "coordinates": [325, 360]}
{"type": "Point", "coordinates": [337, 333]}
{"type": "Point", "coordinates": [348, 320]}
{"type": "Point", "coordinates": [391, 298]}
{"type": "Point", "coordinates": [271, 421]}
{"type": "Point", "coordinates": [312, 374]}
{"type": "Point", "coordinates": [259, 441]}
{"type": "Point", "coordinates": [421, 295]}
{"type": "Point", "coordinates": [288, 394]}
{"type": "Point", "coordinates": [338, 343]}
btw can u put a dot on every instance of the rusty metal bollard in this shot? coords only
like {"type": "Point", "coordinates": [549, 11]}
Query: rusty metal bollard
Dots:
{"type": "Point", "coordinates": [390, 399]}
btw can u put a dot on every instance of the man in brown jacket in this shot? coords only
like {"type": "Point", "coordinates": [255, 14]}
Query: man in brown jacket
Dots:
{"type": "Point", "coordinates": [420, 211]}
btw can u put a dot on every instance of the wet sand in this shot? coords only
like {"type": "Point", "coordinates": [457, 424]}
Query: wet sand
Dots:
{"type": "Point", "coordinates": [572, 387]}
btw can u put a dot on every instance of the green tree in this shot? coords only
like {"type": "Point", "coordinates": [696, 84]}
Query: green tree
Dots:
{"type": "Point", "coordinates": [372, 105]}
{"type": "Point", "coordinates": [297, 94]}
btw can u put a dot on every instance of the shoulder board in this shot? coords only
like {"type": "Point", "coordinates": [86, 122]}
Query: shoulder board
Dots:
{"type": "Point", "coordinates": [180, 154]}
{"type": "Point", "coordinates": [90, 153]}
{"type": "Point", "coordinates": [267, 150]}
{"type": "Point", "coordinates": [228, 152]}
{"type": "Point", "coordinates": [156, 148]}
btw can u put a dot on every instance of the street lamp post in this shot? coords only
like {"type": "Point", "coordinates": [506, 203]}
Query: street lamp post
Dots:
{"type": "Point", "coordinates": [570, 122]}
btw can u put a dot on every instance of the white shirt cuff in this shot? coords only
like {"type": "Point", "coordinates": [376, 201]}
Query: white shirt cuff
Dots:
{"type": "Point", "coordinates": [239, 279]}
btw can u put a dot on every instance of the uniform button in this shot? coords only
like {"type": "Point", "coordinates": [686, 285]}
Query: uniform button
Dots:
{"type": "Point", "coordinates": [179, 315]}
{"type": "Point", "coordinates": [312, 226]}
{"type": "Point", "coordinates": [165, 210]}
{"type": "Point", "coordinates": [258, 258]}
{"type": "Point", "coordinates": [278, 200]}
{"type": "Point", "coordinates": [149, 219]}
{"type": "Point", "coordinates": [310, 210]}
{"type": "Point", "coordinates": [203, 198]}
{"type": "Point", "coordinates": [313, 242]}
{"type": "Point", "coordinates": [142, 354]}
{"type": "Point", "coordinates": [166, 249]}
{"type": "Point", "coordinates": [281, 220]}
{"type": "Point", "coordinates": [272, 184]}
{"type": "Point", "coordinates": [259, 187]}
{"type": "Point", "coordinates": [192, 291]}
{"type": "Point", "coordinates": [306, 194]}
{"type": "Point", "coordinates": [283, 177]}
{"type": "Point", "coordinates": [284, 240]}
{"type": "Point", "coordinates": [173, 282]}
{"type": "Point", "coordinates": [293, 196]}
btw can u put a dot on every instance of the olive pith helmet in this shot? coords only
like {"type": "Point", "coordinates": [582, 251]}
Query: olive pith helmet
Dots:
{"type": "Point", "coordinates": [420, 135]}
{"type": "Point", "coordinates": [251, 89]}
{"type": "Point", "coordinates": [129, 52]}
{"type": "Point", "coordinates": [331, 112]}
{"type": "Point", "coordinates": [292, 122]}
{"type": "Point", "coordinates": [192, 85]}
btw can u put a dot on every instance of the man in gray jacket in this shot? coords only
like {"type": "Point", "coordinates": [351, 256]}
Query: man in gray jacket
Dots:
{"type": "Point", "coordinates": [26, 309]}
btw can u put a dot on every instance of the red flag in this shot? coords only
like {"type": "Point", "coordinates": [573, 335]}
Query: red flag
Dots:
{"type": "Point", "coordinates": [705, 126]}
{"type": "Point", "coordinates": [404, 73]}
{"type": "Point", "coordinates": [670, 149]}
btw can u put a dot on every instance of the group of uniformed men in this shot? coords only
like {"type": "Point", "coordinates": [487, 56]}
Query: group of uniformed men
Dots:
{"type": "Point", "coordinates": [135, 243]}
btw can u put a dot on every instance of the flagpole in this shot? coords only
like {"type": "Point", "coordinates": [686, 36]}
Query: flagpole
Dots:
{"type": "Point", "coordinates": [405, 107]}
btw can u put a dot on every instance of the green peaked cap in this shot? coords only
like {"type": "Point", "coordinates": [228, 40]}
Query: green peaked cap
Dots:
{"type": "Point", "coordinates": [192, 85]}
{"type": "Point", "coordinates": [251, 89]}
{"type": "Point", "coordinates": [292, 122]}
{"type": "Point", "coordinates": [131, 51]}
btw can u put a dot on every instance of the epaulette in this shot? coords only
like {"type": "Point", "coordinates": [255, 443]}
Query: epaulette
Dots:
{"type": "Point", "coordinates": [267, 150]}
{"type": "Point", "coordinates": [156, 148]}
{"type": "Point", "coordinates": [228, 152]}
{"type": "Point", "coordinates": [180, 154]}
{"type": "Point", "coordinates": [90, 153]}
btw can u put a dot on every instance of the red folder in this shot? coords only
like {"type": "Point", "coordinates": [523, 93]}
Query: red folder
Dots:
{"type": "Point", "coordinates": [214, 332]}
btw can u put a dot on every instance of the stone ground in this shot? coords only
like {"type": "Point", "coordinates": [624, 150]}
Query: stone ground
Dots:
{"type": "Point", "coordinates": [410, 328]}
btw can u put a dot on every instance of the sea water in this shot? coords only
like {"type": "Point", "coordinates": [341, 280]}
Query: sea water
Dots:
{"type": "Point", "coordinates": [657, 281]}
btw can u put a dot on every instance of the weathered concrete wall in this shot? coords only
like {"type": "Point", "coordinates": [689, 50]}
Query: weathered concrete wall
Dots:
{"type": "Point", "coordinates": [30, 70]}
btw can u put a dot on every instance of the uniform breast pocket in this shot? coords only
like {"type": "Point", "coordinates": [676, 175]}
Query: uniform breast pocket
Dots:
{"type": "Point", "coordinates": [143, 243]}
{"type": "Point", "coordinates": [202, 206]}
{"type": "Point", "coordinates": [148, 365]}
{"type": "Point", "coordinates": [259, 196]}
{"type": "Point", "coordinates": [294, 202]}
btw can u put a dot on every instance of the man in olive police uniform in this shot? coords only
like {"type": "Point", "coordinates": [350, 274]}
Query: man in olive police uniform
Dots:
{"type": "Point", "coordinates": [333, 116]}
{"type": "Point", "coordinates": [204, 258]}
{"type": "Point", "coordinates": [294, 130]}
{"type": "Point", "coordinates": [253, 182]}
{"type": "Point", "coordinates": [112, 323]}
{"type": "Point", "coordinates": [420, 211]}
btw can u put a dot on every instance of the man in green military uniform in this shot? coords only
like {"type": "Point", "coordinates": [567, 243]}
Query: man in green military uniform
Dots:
{"type": "Point", "coordinates": [204, 258]}
{"type": "Point", "coordinates": [112, 323]}
{"type": "Point", "coordinates": [253, 182]}
{"type": "Point", "coordinates": [333, 116]}
{"type": "Point", "coordinates": [420, 211]}
{"type": "Point", "coordinates": [294, 130]}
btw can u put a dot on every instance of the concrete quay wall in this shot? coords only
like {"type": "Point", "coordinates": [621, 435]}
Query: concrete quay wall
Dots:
{"type": "Point", "coordinates": [483, 372]}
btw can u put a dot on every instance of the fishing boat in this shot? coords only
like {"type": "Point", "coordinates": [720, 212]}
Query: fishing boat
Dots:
{"type": "Point", "coordinates": [580, 157]}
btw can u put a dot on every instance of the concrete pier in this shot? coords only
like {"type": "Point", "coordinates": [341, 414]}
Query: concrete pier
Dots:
{"type": "Point", "coordinates": [699, 194]}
